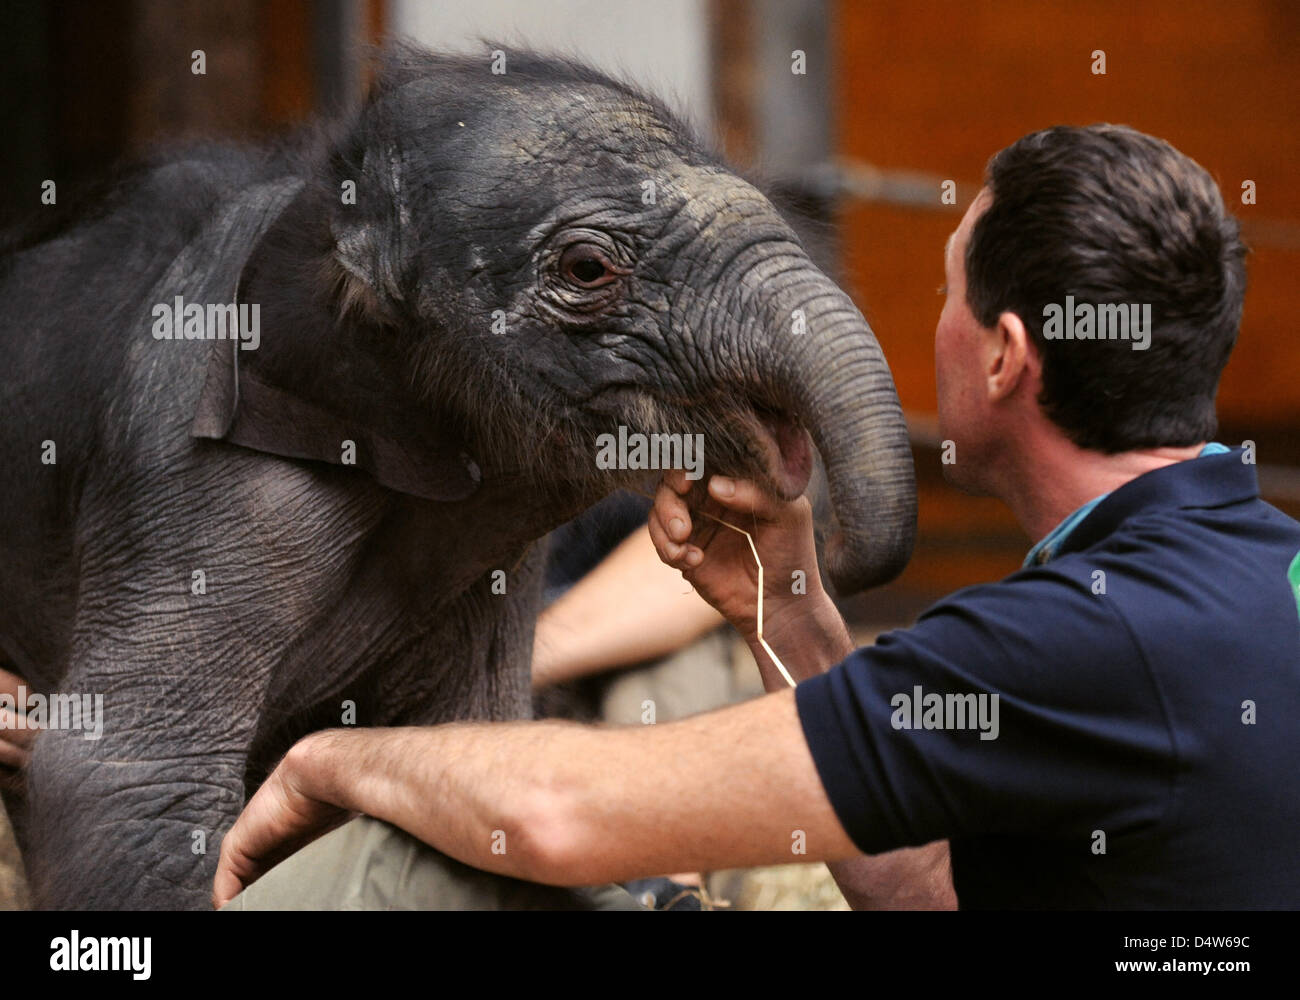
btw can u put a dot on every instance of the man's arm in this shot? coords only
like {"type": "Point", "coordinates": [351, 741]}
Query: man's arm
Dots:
{"type": "Point", "coordinates": [571, 804]}
{"type": "Point", "coordinates": [806, 632]}
{"type": "Point", "coordinates": [630, 608]}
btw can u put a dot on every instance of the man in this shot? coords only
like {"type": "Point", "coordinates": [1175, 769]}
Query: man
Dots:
{"type": "Point", "coordinates": [1113, 726]}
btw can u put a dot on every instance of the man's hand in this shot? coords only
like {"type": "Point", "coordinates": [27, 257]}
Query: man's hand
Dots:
{"type": "Point", "coordinates": [719, 563]}
{"type": "Point", "coordinates": [803, 627]}
{"type": "Point", "coordinates": [282, 817]}
{"type": "Point", "coordinates": [16, 734]}
{"type": "Point", "coordinates": [15, 748]}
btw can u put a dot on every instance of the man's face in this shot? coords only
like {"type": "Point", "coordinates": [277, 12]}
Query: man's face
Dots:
{"type": "Point", "coordinates": [960, 344]}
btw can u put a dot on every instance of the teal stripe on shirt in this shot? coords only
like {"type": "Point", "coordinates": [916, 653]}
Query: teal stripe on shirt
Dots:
{"type": "Point", "coordinates": [1047, 547]}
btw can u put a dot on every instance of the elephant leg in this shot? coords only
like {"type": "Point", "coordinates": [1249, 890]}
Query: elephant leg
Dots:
{"type": "Point", "coordinates": [107, 832]}
{"type": "Point", "coordinates": [128, 810]}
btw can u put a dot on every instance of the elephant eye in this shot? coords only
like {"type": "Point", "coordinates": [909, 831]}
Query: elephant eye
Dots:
{"type": "Point", "coordinates": [587, 266]}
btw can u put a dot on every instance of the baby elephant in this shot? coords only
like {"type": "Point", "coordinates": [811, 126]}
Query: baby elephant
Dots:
{"type": "Point", "coordinates": [280, 429]}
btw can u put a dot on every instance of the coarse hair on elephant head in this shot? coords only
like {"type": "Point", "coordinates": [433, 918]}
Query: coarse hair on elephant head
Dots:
{"type": "Point", "coordinates": [500, 268]}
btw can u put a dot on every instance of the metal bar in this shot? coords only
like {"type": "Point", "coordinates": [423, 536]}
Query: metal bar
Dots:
{"type": "Point", "coordinates": [1276, 482]}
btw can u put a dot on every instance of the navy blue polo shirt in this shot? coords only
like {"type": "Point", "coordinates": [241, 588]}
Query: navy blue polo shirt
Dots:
{"type": "Point", "coordinates": [1143, 747]}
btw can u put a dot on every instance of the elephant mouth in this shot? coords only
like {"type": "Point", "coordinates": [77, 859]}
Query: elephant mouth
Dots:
{"type": "Point", "coordinates": [786, 451]}
{"type": "Point", "coordinates": [755, 440]}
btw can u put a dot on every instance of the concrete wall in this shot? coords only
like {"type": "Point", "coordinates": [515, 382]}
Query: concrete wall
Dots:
{"type": "Point", "coordinates": [662, 45]}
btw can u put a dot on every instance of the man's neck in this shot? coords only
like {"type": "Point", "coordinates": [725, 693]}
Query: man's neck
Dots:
{"type": "Point", "coordinates": [1060, 477]}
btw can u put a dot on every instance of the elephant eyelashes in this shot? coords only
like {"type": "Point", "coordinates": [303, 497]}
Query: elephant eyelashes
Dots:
{"type": "Point", "coordinates": [587, 266]}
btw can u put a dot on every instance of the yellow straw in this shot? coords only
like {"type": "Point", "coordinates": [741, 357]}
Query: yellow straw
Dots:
{"type": "Point", "coordinates": [759, 563]}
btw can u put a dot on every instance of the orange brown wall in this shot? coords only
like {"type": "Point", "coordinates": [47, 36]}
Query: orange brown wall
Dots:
{"type": "Point", "coordinates": [941, 87]}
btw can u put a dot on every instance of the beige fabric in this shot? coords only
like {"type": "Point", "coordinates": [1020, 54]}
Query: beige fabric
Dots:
{"type": "Point", "coordinates": [367, 864]}
{"type": "Point", "coordinates": [698, 678]}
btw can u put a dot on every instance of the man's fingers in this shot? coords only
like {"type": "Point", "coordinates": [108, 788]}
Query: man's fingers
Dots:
{"type": "Point", "coordinates": [16, 730]}
{"type": "Point", "coordinates": [669, 505]}
{"type": "Point", "coordinates": [279, 820]}
{"type": "Point", "coordinates": [675, 480]}
{"type": "Point", "coordinates": [669, 551]}
{"type": "Point", "coordinates": [744, 497]}
{"type": "Point", "coordinates": [670, 522]}
{"type": "Point", "coordinates": [15, 744]}
{"type": "Point", "coordinates": [251, 846]}
{"type": "Point", "coordinates": [12, 756]}
{"type": "Point", "coordinates": [10, 683]}
{"type": "Point", "coordinates": [15, 740]}
{"type": "Point", "coordinates": [234, 874]}
{"type": "Point", "coordinates": [224, 889]}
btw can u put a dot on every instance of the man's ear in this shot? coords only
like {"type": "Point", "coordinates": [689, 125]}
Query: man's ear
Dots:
{"type": "Point", "coordinates": [1010, 357]}
{"type": "Point", "coordinates": [315, 389]}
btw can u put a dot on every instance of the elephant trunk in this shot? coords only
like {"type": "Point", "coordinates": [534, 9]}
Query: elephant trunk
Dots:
{"type": "Point", "coordinates": [821, 364]}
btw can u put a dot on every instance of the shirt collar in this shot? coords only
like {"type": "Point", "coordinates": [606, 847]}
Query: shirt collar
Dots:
{"type": "Point", "coordinates": [1224, 479]}
{"type": "Point", "coordinates": [1046, 546]}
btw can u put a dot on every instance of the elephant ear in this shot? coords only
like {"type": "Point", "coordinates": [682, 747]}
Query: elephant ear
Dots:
{"type": "Point", "coordinates": [373, 243]}
{"type": "Point", "coordinates": [303, 394]}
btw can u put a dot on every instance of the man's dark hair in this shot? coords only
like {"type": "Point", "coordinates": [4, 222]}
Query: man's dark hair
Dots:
{"type": "Point", "coordinates": [1109, 215]}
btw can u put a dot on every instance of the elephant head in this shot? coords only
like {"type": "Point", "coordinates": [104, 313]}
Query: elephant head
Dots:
{"type": "Point", "coordinates": [493, 270]}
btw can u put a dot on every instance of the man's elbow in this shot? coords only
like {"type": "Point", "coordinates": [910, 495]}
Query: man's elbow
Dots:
{"type": "Point", "coordinates": [554, 848]}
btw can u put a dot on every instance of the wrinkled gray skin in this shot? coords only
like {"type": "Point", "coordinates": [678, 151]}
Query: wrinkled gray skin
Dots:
{"type": "Point", "coordinates": [325, 582]}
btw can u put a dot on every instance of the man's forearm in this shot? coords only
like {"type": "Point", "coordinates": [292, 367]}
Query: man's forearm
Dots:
{"type": "Point", "coordinates": [810, 637]}
{"type": "Point", "coordinates": [449, 786]}
{"type": "Point", "coordinates": [568, 804]}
